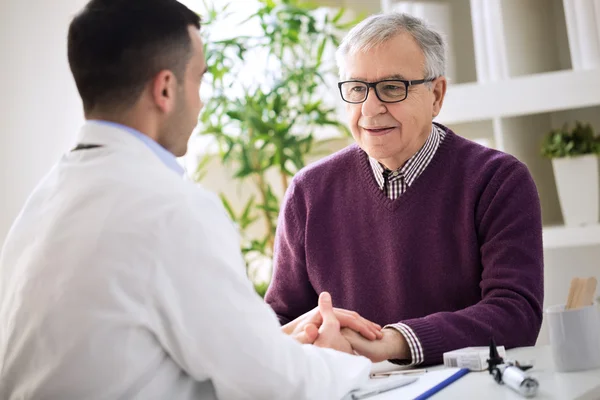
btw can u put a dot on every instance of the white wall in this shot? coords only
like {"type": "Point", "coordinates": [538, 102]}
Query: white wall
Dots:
{"type": "Point", "coordinates": [40, 107]}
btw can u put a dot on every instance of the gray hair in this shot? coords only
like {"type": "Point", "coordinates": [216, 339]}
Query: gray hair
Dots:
{"type": "Point", "coordinates": [377, 29]}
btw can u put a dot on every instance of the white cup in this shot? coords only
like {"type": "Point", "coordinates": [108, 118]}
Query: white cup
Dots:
{"type": "Point", "coordinates": [574, 337]}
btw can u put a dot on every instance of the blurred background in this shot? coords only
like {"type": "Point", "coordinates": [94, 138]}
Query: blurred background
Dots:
{"type": "Point", "coordinates": [524, 78]}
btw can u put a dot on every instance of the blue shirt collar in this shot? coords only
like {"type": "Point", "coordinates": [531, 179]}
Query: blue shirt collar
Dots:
{"type": "Point", "coordinates": [163, 154]}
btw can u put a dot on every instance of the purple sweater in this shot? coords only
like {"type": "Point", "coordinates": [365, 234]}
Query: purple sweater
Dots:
{"type": "Point", "coordinates": [458, 257]}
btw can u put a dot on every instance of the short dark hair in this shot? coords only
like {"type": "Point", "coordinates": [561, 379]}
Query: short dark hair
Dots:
{"type": "Point", "coordinates": [115, 47]}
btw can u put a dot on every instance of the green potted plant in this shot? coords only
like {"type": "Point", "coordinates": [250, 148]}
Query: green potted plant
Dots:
{"type": "Point", "coordinates": [266, 126]}
{"type": "Point", "coordinates": [574, 154]}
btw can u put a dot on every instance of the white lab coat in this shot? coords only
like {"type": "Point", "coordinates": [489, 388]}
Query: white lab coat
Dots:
{"type": "Point", "coordinates": [121, 280]}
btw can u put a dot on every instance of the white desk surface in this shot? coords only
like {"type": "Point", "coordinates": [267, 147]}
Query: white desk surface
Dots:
{"type": "Point", "coordinates": [583, 385]}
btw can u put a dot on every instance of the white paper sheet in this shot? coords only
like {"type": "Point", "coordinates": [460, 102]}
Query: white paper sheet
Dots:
{"type": "Point", "coordinates": [380, 385]}
{"type": "Point", "coordinates": [424, 382]}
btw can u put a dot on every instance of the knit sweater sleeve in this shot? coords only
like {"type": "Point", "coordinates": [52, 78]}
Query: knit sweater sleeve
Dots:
{"type": "Point", "coordinates": [509, 228]}
{"type": "Point", "coordinates": [290, 293]}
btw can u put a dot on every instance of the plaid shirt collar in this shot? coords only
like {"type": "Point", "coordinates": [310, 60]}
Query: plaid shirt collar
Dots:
{"type": "Point", "coordinates": [415, 165]}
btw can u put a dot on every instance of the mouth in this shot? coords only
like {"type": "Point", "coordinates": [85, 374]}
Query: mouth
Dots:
{"type": "Point", "coordinates": [379, 131]}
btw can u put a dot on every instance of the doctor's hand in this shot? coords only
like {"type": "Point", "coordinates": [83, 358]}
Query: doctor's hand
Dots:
{"type": "Point", "coordinates": [392, 346]}
{"type": "Point", "coordinates": [330, 334]}
{"type": "Point", "coordinates": [348, 319]}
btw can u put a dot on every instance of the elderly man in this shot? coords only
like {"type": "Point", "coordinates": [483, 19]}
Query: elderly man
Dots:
{"type": "Point", "coordinates": [413, 227]}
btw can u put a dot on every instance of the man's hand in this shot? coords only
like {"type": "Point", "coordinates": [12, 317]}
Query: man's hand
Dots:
{"type": "Point", "coordinates": [392, 346]}
{"type": "Point", "coordinates": [347, 319]}
{"type": "Point", "coordinates": [330, 335]}
{"type": "Point", "coordinates": [307, 335]}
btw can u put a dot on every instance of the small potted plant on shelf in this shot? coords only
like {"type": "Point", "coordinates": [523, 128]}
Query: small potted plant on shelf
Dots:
{"type": "Point", "coordinates": [575, 161]}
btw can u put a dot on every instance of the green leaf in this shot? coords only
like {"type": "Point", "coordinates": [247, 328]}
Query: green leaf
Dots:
{"type": "Point", "coordinates": [321, 49]}
{"type": "Point", "coordinates": [227, 206]}
{"type": "Point", "coordinates": [246, 219]}
{"type": "Point", "coordinates": [230, 148]}
{"type": "Point", "coordinates": [201, 171]}
{"type": "Point", "coordinates": [261, 288]}
{"type": "Point", "coordinates": [338, 16]}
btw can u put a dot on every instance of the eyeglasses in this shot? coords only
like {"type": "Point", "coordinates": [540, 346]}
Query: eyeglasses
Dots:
{"type": "Point", "coordinates": [388, 90]}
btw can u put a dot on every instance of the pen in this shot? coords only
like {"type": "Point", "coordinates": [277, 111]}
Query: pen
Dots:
{"type": "Point", "coordinates": [383, 387]}
{"type": "Point", "coordinates": [400, 372]}
{"type": "Point", "coordinates": [459, 374]}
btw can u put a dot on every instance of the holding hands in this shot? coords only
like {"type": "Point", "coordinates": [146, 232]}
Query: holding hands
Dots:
{"type": "Point", "coordinates": [346, 331]}
{"type": "Point", "coordinates": [305, 328]}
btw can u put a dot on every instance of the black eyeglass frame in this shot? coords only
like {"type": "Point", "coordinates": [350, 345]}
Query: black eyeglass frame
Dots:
{"type": "Point", "coordinates": [373, 85]}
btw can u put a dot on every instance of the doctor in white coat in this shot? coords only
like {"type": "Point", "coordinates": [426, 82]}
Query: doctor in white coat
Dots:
{"type": "Point", "coordinates": [121, 280]}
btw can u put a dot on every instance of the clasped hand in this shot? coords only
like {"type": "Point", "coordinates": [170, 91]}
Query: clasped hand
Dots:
{"type": "Point", "coordinates": [346, 331]}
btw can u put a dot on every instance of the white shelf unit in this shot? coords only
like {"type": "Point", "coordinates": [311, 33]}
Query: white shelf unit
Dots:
{"type": "Point", "coordinates": [540, 91]}
{"type": "Point", "coordinates": [532, 94]}
{"type": "Point", "coordinates": [557, 237]}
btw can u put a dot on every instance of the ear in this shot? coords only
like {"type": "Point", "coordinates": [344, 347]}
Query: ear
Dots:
{"type": "Point", "coordinates": [164, 86]}
{"type": "Point", "coordinates": [439, 92]}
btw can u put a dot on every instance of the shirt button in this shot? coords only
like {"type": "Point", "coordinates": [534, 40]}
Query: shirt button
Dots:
{"type": "Point", "coordinates": [395, 173]}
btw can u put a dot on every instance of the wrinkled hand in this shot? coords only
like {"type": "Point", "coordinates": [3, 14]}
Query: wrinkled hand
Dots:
{"type": "Point", "coordinates": [330, 335]}
{"type": "Point", "coordinates": [347, 319]}
{"type": "Point", "coordinates": [392, 346]}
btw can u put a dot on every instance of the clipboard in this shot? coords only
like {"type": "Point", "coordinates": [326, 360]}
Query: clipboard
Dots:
{"type": "Point", "coordinates": [424, 386]}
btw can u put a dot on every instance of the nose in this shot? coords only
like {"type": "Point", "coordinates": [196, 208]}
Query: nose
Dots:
{"type": "Point", "coordinates": [372, 106]}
